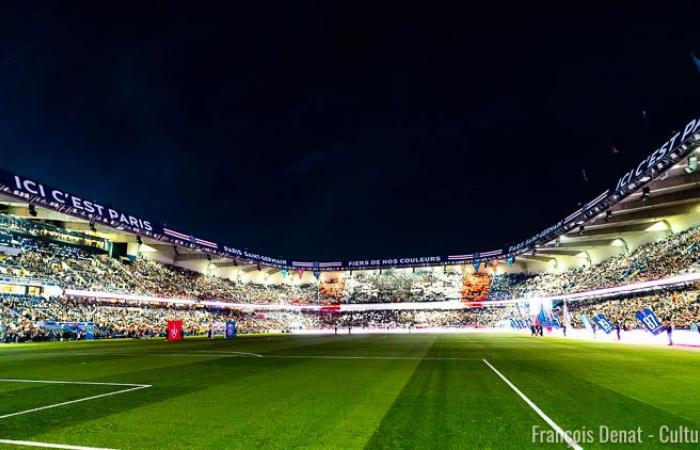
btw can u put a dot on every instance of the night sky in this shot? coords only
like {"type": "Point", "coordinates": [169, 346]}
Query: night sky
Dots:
{"type": "Point", "coordinates": [321, 131]}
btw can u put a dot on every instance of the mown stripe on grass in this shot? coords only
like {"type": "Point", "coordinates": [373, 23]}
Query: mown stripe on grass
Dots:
{"type": "Point", "coordinates": [453, 403]}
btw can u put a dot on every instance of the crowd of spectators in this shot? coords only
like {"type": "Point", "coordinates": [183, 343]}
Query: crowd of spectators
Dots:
{"type": "Point", "coordinates": [35, 318]}
{"type": "Point", "coordinates": [74, 261]}
{"type": "Point", "coordinates": [70, 266]}
{"type": "Point", "coordinates": [20, 317]}
{"type": "Point", "coordinates": [25, 318]}
{"type": "Point", "coordinates": [398, 287]}
{"type": "Point", "coordinates": [675, 255]}
{"type": "Point", "coordinates": [679, 308]}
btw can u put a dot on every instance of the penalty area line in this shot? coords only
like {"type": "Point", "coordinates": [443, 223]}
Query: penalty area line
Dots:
{"type": "Point", "coordinates": [48, 445]}
{"type": "Point", "coordinates": [564, 435]}
{"type": "Point", "coordinates": [70, 402]}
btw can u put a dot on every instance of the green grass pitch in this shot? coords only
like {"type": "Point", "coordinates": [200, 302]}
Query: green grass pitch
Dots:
{"type": "Point", "coordinates": [378, 391]}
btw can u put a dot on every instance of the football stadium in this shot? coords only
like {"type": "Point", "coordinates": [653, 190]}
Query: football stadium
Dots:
{"type": "Point", "coordinates": [371, 134]}
{"type": "Point", "coordinates": [120, 332]}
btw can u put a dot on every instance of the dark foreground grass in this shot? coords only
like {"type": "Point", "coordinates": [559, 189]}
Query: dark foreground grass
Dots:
{"type": "Point", "coordinates": [417, 391]}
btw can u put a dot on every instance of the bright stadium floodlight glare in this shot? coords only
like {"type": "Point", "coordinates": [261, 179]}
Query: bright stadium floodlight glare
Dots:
{"type": "Point", "coordinates": [658, 226]}
{"type": "Point", "coordinates": [618, 243]}
{"type": "Point", "coordinates": [148, 249]}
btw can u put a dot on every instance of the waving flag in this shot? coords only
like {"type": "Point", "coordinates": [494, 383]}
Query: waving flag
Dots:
{"type": "Point", "coordinates": [603, 323]}
{"type": "Point", "coordinates": [650, 321]}
{"type": "Point", "coordinates": [696, 61]}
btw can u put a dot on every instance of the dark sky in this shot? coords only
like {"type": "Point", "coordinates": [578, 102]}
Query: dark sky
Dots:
{"type": "Point", "coordinates": [321, 131]}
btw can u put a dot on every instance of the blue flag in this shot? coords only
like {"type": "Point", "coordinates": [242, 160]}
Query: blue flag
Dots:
{"type": "Point", "coordinates": [519, 324]}
{"type": "Point", "coordinates": [603, 323]}
{"type": "Point", "coordinates": [586, 323]}
{"type": "Point", "coordinates": [230, 329]}
{"type": "Point", "coordinates": [650, 321]}
{"type": "Point", "coordinates": [546, 318]}
{"type": "Point", "coordinates": [696, 61]}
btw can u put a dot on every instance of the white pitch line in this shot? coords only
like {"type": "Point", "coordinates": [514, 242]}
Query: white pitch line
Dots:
{"type": "Point", "coordinates": [95, 383]}
{"type": "Point", "coordinates": [198, 354]}
{"type": "Point", "coordinates": [567, 438]}
{"type": "Point", "coordinates": [223, 352]}
{"type": "Point", "coordinates": [70, 402]}
{"type": "Point", "coordinates": [404, 358]}
{"type": "Point", "coordinates": [49, 445]}
{"type": "Point", "coordinates": [214, 354]}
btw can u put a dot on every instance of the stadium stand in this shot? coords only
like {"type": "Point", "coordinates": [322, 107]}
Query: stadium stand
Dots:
{"type": "Point", "coordinates": [72, 269]}
{"type": "Point", "coordinates": [75, 265]}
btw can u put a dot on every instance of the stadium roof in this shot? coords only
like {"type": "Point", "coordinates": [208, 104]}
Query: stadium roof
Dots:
{"type": "Point", "coordinates": [658, 196]}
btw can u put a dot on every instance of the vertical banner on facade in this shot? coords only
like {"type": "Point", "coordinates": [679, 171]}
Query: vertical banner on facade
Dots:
{"type": "Point", "coordinates": [174, 330]}
{"type": "Point", "coordinates": [230, 329]}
